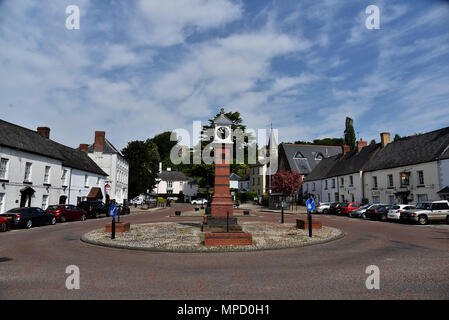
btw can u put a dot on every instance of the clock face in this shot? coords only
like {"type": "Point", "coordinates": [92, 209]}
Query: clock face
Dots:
{"type": "Point", "coordinates": [223, 133]}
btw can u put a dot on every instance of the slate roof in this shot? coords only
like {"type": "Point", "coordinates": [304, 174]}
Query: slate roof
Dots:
{"type": "Point", "coordinates": [222, 120]}
{"type": "Point", "coordinates": [354, 161]}
{"type": "Point", "coordinates": [310, 152]}
{"type": "Point", "coordinates": [234, 177]}
{"type": "Point", "coordinates": [406, 151]}
{"type": "Point", "coordinates": [108, 148]}
{"type": "Point", "coordinates": [175, 176]}
{"type": "Point", "coordinates": [77, 159]}
{"type": "Point", "coordinates": [20, 138]}
{"type": "Point", "coordinates": [323, 168]}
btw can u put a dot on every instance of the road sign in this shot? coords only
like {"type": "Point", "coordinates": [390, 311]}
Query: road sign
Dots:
{"type": "Point", "coordinates": [112, 211]}
{"type": "Point", "coordinates": [310, 204]}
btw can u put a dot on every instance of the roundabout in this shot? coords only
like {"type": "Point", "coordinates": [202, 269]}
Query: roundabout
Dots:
{"type": "Point", "coordinates": [187, 237]}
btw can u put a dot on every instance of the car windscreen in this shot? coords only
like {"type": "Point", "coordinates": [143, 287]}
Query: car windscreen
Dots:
{"type": "Point", "coordinates": [395, 207]}
{"type": "Point", "coordinates": [53, 208]}
{"type": "Point", "coordinates": [366, 206]}
{"type": "Point", "coordinates": [423, 205]}
{"type": "Point", "coordinates": [344, 205]}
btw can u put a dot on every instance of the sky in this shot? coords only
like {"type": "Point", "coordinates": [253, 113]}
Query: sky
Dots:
{"type": "Point", "coordinates": [137, 68]}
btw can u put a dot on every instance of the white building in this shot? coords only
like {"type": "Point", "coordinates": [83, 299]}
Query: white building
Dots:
{"type": "Point", "coordinates": [409, 170]}
{"type": "Point", "coordinates": [244, 182]}
{"type": "Point", "coordinates": [32, 168]}
{"type": "Point", "coordinates": [176, 183]}
{"type": "Point", "coordinates": [234, 181]}
{"type": "Point", "coordinates": [111, 161]}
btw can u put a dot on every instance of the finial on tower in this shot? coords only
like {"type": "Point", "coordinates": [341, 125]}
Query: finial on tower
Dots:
{"type": "Point", "coordinates": [222, 110]}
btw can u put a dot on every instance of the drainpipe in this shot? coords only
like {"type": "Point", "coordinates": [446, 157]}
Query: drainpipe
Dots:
{"type": "Point", "coordinates": [70, 184]}
{"type": "Point", "coordinates": [363, 185]}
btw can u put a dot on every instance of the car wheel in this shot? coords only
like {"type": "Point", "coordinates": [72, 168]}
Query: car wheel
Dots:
{"type": "Point", "coordinates": [422, 220]}
{"type": "Point", "coordinates": [4, 227]}
{"type": "Point", "coordinates": [63, 219]}
{"type": "Point", "coordinates": [363, 215]}
{"type": "Point", "coordinates": [83, 217]}
{"type": "Point", "coordinates": [29, 224]}
{"type": "Point", "coordinates": [94, 215]}
{"type": "Point", "coordinates": [53, 221]}
{"type": "Point", "coordinates": [383, 217]}
{"type": "Point", "coordinates": [447, 219]}
{"type": "Point", "coordinates": [325, 211]}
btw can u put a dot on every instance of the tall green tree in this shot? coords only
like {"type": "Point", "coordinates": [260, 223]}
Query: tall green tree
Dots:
{"type": "Point", "coordinates": [350, 133]}
{"type": "Point", "coordinates": [396, 137]}
{"type": "Point", "coordinates": [143, 158]}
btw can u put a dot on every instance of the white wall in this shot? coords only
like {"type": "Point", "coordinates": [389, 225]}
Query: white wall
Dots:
{"type": "Point", "coordinates": [117, 169]}
{"type": "Point", "coordinates": [76, 188]}
{"type": "Point", "coordinates": [443, 173]}
{"type": "Point", "coordinates": [351, 192]}
{"type": "Point", "coordinates": [16, 173]}
{"type": "Point", "coordinates": [430, 188]}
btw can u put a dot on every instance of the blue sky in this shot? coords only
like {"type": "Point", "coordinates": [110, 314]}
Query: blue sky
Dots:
{"type": "Point", "coordinates": [137, 68]}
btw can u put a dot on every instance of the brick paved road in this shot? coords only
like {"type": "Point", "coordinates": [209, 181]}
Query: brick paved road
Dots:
{"type": "Point", "coordinates": [413, 261]}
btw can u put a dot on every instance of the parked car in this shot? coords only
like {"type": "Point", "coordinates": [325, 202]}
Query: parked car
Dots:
{"type": "Point", "coordinates": [360, 213]}
{"type": "Point", "coordinates": [4, 224]}
{"type": "Point", "coordinates": [395, 211]}
{"type": "Point", "coordinates": [427, 211]}
{"type": "Point", "coordinates": [28, 217]}
{"type": "Point", "coordinates": [138, 200]}
{"type": "Point", "coordinates": [199, 201]}
{"type": "Point", "coordinates": [64, 212]}
{"type": "Point", "coordinates": [347, 208]}
{"type": "Point", "coordinates": [378, 212]}
{"type": "Point", "coordinates": [339, 207]}
{"type": "Point", "coordinates": [94, 208]}
{"type": "Point", "coordinates": [334, 207]}
{"type": "Point", "coordinates": [322, 207]}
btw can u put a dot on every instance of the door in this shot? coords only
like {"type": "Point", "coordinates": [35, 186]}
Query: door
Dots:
{"type": "Point", "coordinates": [25, 198]}
{"type": "Point", "coordinates": [62, 199]}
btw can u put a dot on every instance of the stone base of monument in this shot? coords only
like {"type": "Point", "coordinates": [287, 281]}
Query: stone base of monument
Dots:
{"type": "Point", "coordinates": [220, 224]}
{"type": "Point", "coordinates": [304, 224]}
{"type": "Point", "coordinates": [119, 227]}
{"type": "Point", "coordinates": [228, 239]}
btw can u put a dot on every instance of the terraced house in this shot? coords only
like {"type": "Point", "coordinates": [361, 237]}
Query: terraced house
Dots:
{"type": "Point", "coordinates": [36, 171]}
{"type": "Point", "coordinates": [409, 170]}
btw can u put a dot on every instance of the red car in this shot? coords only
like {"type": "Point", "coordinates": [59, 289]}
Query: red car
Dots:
{"type": "Point", "coordinates": [64, 212]}
{"type": "Point", "coordinates": [348, 207]}
{"type": "Point", "coordinates": [4, 225]}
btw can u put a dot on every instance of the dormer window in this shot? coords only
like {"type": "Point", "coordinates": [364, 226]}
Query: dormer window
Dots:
{"type": "Point", "coordinates": [299, 155]}
{"type": "Point", "coordinates": [319, 156]}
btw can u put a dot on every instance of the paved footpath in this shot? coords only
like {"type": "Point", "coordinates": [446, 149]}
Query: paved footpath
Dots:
{"type": "Point", "coordinates": [413, 262]}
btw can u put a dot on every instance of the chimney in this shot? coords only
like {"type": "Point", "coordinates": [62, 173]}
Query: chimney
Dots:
{"type": "Point", "coordinates": [99, 141]}
{"type": "Point", "coordinates": [168, 169]}
{"type": "Point", "coordinates": [345, 149]}
{"type": "Point", "coordinates": [83, 147]}
{"type": "Point", "coordinates": [44, 131]}
{"type": "Point", "coordinates": [385, 138]}
{"type": "Point", "coordinates": [160, 167]}
{"type": "Point", "coordinates": [361, 144]}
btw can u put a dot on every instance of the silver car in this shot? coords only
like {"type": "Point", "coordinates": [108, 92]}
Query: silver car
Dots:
{"type": "Point", "coordinates": [322, 207]}
{"type": "Point", "coordinates": [395, 211]}
{"type": "Point", "coordinates": [427, 211]}
{"type": "Point", "coordinates": [360, 213]}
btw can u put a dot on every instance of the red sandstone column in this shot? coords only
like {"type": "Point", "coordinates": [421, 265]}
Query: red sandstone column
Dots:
{"type": "Point", "coordinates": [222, 200]}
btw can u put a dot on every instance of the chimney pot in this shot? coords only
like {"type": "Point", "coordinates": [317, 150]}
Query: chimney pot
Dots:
{"type": "Point", "coordinates": [44, 131]}
{"type": "Point", "coordinates": [385, 138]}
{"type": "Point", "coordinates": [99, 141]}
{"type": "Point", "coordinates": [160, 167]}
{"type": "Point", "coordinates": [83, 147]}
{"type": "Point", "coordinates": [361, 144]}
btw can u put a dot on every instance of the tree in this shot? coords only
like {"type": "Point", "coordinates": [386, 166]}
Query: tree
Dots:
{"type": "Point", "coordinates": [373, 142]}
{"type": "Point", "coordinates": [143, 158]}
{"type": "Point", "coordinates": [164, 144]}
{"type": "Point", "coordinates": [323, 142]}
{"type": "Point", "coordinates": [350, 133]}
{"type": "Point", "coordinates": [286, 182]}
{"type": "Point", "coordinates": [396, 137]}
